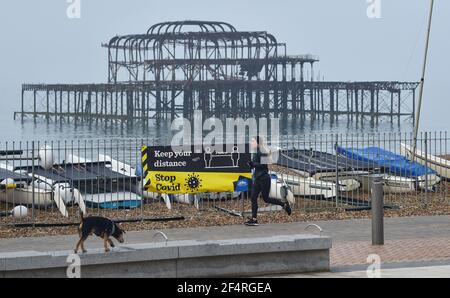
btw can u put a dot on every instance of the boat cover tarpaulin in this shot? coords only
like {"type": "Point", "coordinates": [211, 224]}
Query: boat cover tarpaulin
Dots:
{"type": "Point", "coordinates": [79, 172]}
{"type": "Point", "coordinates": [314, 162]}
{"type": "Point", "coordinates": [16, 155]}
{"type": "Point", "coordinates": [394, 163]}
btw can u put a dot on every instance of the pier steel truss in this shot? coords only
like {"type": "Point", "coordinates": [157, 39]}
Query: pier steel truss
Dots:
{"type": "Point", "coordinates": [178, 67]}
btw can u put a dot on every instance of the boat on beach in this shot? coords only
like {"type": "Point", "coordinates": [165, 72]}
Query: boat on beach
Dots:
{"type": "Point", "coordinates": [36, 190]}
{"type": "Point", "coordinates": [323, 167]}
{"type": "Point", "coordinates": [137, 186]}
{"type": "Point", "coordinates": [308, 187]}
{"type": "Point", "coordinates": [104, 184]}
{"type": "Point", "coordinates": [16, 189]}
{"type": "Point", "coordinates": [281, 189]}
{"type": "Point", "coordinates": [399, 173]}
{"type": "Point", "coordinates": [438, 164]}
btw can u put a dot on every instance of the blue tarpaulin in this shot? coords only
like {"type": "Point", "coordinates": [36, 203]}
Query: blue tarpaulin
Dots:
{"type": "Point", "coordinates": [394, 163]}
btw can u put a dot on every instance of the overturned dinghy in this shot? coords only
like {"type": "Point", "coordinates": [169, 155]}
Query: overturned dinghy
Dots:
{"type": "Point", "coordinates": [17, 189]}
{"type": "Point", "coordinates": [322, 166]}
{"type": "Point", "coordinates": [308, 187]}
{"type": "Point", "coordinates": [98, 184]}
{"type": "Point", "coordinates": [137, 186]}
{"type": "Point", "coordinates": [35, 190]}
{"type": "Point", "coordinates": [405, 175]}
{"type": "Point", "coordinates": [391, 184]}
{"type": "Point", "coordinates": [16, 155]}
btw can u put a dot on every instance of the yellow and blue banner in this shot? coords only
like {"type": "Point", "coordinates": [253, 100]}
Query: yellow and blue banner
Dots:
{"type": "Point", "coordinates": [181, 172]}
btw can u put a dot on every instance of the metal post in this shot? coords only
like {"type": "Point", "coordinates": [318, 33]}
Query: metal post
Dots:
{"type": "Point", "coordinates": [426, 166]}
{"type": "Point", "coordinates": [377, 212]}
{"type": "Point", "coordinates": [33, 194]}
{"type": "Point", "coordinates": [142, 182]}
{"type": "Point", "coordinates": [337, 169]}
{"type": "Point", "coordinates": [241, 196]}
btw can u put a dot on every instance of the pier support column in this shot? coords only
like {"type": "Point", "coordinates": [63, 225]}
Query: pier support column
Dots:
{"type": "Point", "coordinates": [372, 105]}
{"type": "Point", "coordinates": [22, 107]}
{"type": "Point", "coordinates": [34, 105]}
{"type": "Point", "coordinates": [392, 107]}
{"type": "Point", "coordinates": [331, 103]}
{"type": "Point", "coordinates": [399, 104]}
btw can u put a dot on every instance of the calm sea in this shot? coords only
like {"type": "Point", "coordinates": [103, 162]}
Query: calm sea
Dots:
{"type": "Point", "coordinates": [15, 130]}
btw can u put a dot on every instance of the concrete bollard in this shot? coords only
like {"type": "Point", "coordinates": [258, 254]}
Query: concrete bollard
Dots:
{"type": "Point", "coordinates": [377, 212]}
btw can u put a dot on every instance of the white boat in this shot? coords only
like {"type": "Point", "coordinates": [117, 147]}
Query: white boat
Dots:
{"type": "Point", "coordinates": [16, 188]}
{"type": "Point", "coordinates": [124, 195]}
{"type": "Point", "coordinates": [322, 166]}
{"type": "Point", "coordinates": [280, 189]}
{"type": "Point", "coordinates": [129, 171]}
{"type": "Point", "coordinates": [308, 187]}
{"type": "Point", "coordinates": [438, 164]}
{"type": "Point", "coordinates": [352, 175]}
{"type": "Point", "coordinates": [30, 192]}
{"type": "Point", "coordinates": [348, 181]}
{"type": "Point", "coordinates": [34, 195]}
{"type": "Point", "coordinates": [16, 194]}
{"type": "Point", "coordinates": [63, 193]}
{"type": "Point", "coordinates": [391, 184]}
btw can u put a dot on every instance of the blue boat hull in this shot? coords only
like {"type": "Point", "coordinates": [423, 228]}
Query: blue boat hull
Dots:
{"type": "Point", "coordinates": [128, 204]}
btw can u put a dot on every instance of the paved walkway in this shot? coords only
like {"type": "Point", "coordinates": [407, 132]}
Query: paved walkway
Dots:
{"type": "Point", "coordinates": [394, 251]}
{"type": "Point", "coordinates": [404, 272]}
{"type": "Point", "coordinates": [415, 239]}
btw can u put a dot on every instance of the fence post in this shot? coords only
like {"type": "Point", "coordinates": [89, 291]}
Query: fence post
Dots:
{"type": "Point", "coordinates": [377, 212]}
{"type": "Point", "coordinates": [33, 193]}
{"type": "Point", "coordinates": [426, 167]}
{"type": "Point", "coordinates": [337, 170]}
{"type": "Point", "coordinates": [141, 183]}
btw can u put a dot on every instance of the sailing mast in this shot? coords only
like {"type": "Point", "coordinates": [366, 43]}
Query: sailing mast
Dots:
{"type": "Point", "coordinates": [422, 80]}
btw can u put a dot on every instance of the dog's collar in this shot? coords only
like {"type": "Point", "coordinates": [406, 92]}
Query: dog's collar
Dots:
{"type": "Point", "coordinates": [113, 229]}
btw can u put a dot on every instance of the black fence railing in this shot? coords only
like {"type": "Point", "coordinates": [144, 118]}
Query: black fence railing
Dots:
{"type": "Point", "coordinates": [50, 182]}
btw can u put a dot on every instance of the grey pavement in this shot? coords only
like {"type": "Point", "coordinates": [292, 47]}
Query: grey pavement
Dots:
{"type": "Point", "coordinates": [340, 231]}
{"type": "Point", "coordinates": [405, 272]}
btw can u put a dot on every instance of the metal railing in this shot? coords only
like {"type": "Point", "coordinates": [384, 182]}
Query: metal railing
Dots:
{"type": "Point", "coordinates": [45, 183]}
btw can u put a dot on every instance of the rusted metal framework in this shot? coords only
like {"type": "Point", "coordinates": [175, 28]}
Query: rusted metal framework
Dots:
{"type": "Point", "coordinates": [178, 67]}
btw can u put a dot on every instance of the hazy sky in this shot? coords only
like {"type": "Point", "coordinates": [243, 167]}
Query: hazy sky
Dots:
{"type": "Point", "coordinates": [39, 43]}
